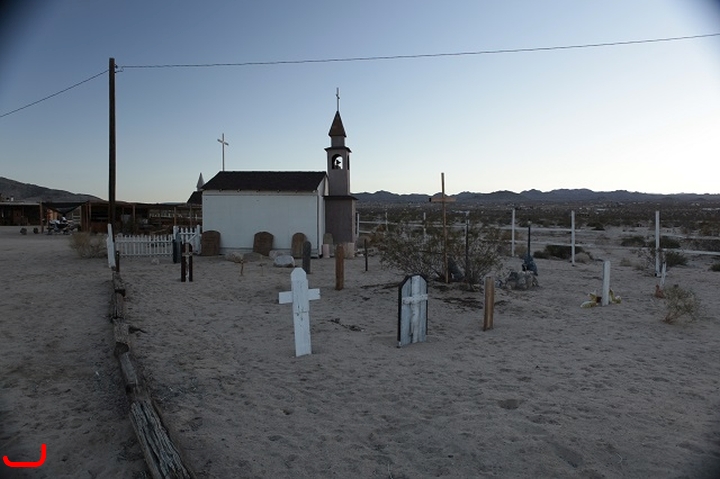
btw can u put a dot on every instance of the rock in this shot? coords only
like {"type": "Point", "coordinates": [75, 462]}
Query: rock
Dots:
{"type": "Point", "coordinates": [235, 257]}
{"type": "Point", "coordinates": [284, 261]}
{"type": "Point", "coordinates": [250, 257]}
{"type": "Point", "coordinates": [23, 231]}
{"type": "Point", "coordinates": [522, 280]}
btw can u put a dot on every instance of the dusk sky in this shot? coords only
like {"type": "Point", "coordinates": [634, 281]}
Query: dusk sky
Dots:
{"type": "Point", "coordinates": [639, 117]}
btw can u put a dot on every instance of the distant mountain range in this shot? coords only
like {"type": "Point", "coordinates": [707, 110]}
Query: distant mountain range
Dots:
{"type": "Point", "coordinates": [29, 192]}
{"type": "Point", "coordinates": [17, 191]}
{"type": "Point", "coordinates": [536, 196]}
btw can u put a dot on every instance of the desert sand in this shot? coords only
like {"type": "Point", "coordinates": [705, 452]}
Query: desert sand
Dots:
{"type": "Point", "coordinates": [553, 390]}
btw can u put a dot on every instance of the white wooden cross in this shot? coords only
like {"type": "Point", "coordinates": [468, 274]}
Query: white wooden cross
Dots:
{"type": "Point", "coordinates": [300, 297]}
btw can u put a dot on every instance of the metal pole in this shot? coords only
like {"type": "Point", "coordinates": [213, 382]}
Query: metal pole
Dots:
{"type": "Point", "coordinates": [445, 238]}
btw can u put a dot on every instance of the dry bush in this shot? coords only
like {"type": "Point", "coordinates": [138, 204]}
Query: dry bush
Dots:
{"type": "Point", "coordinates": [411, 252]}
{"type": "Point", "coordinates": [89, 245]}
{"type": "Point", "coordinates": [681, 303]}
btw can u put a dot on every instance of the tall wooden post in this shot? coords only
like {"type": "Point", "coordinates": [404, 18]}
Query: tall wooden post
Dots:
{"type": "Point", "coordinates": [489, 303]}
{"type": "Point", "coordinates": [111, 192]}
{"type": "Point", "coordinates": [512, 234]}
{"type": "Point", "coordinates": [339, 267]}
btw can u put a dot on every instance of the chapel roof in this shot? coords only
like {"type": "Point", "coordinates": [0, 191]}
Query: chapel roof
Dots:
{"type": "Point", "coordinates": [266, 181]}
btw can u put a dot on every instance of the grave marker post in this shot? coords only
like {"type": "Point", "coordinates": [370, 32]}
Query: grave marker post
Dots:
{"type": "Point", "coordinates": [412, 310]}
{"type": "Point", "coordinates": [306, 250]}
{"type": "Point", "coordinates": [300, 297]}
{"type": "Point", "coordinates": [605, 300]}
{"type": "Point", "coordinates": [339, 267]}
{"type": "Point", "coordinates": [489, 303]}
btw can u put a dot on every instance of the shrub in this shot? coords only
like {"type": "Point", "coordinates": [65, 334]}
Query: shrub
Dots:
{"type": "Point", "coordinates": [88, 245]}
{"type": "Point", "coordinates": [409, 251]}
{"type": "Point", "coordinates": [561, 251]}
{"type": "Point", "coordinates": [680, 303]}
{"type": "Point", "coordinates": [633, 241]}
{"type": "Point", "coordinates": [669, 243]}
{"type": "Point", "coordinates": [715, 267]}
{"type": "Point", "coordinates": [673, 258]}
{"type": "Point", "coordinates": [541, 254]}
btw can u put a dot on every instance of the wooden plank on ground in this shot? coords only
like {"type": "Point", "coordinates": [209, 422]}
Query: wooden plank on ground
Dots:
{"type": "Point", "coordinates": [118, 283]}
{"type": "Point", "coordinates": [161, 456]}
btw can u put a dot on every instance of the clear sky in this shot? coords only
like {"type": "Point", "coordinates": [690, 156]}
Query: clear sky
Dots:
{"type": "Point", "coordinates": [640, 117]}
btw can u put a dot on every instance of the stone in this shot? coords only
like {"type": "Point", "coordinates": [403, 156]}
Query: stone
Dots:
{"type": "Point", "coordinates": [298, 240]}
{"type": "Point", "coordinates": [263, 243]}
{"type": "Point", "coordinates": [252, 257]}
{"type": "Point", "coordinates": [235, 257]}
{"type": "Point", "coordinates": [521, 280]}
{"type": "Point", "coordinates": [210, 243]}
{"type": "Point", "coordinates": [284, 261]}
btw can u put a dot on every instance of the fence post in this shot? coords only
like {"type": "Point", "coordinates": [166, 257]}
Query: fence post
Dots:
{"type": "Point", "coordinates": [512, 234]}
{"type": "Point", "coordinates": [572, 236]}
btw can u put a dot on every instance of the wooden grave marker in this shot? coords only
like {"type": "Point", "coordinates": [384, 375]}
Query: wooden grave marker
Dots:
{"type": "Point", "coordinates": [297, 244]}
{"type": "Point", "coordinates": [263, 243]}
{"type": "Point", "coordinates": [489, 303]}
{"type": "Point", "coordinates": [412, 310]}
{"type": "Point", "coordinates": [339, 267]}
{"type": "Point", "coordinates": [186, 264]}
{"type": "Point", "coordinates": [300, 297]}
{"type": "Point", "coordinates": [306, 253]}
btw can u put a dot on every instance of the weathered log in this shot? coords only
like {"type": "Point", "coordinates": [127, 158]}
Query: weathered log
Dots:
{"type": "Point", "coordinates": [118, 283]}
{"type": "Point", "coordinates": [117, 306]}
{"type": "Point", "coordinates": [128, 371]}
{"type": "Point", "coordinates": [121, 332]}
{"type": "Point", "coordinates": [161, 456]}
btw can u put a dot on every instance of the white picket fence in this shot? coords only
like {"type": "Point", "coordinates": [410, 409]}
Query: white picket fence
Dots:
{"type": "Point", "coordinates": [157, 245]}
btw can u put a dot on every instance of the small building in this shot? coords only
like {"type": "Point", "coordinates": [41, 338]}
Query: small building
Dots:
{"type": "Point", "coordinates": [240, 204]}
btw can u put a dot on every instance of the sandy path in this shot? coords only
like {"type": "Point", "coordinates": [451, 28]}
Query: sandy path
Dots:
{"type": "Point", "coordinates": [60, 383]}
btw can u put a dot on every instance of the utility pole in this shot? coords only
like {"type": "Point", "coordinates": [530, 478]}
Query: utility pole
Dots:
{"type": "Point", "coordinates": [224, 144]}
{"type": "Point", "coordinates": [111, 192]}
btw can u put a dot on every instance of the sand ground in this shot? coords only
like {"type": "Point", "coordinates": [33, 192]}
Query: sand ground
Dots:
{"type": "Point", "coordinates": [554, 390]}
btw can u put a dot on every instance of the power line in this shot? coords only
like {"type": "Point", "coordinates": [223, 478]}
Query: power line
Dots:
{"type": "Point", "coordinates": [425, 55]}
{"type": "Point", "coordinates": [54, 94]}
{"type": "Point", "coordinates": [376, 58]}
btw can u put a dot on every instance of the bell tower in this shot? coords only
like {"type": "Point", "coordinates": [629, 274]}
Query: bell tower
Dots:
{"type": "Point", "coordinates": [338, 159]}
{"type": "Point", "coordinates": [339, 204]}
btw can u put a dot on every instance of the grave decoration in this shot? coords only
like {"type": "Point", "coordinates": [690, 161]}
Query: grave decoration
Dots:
{"type": "Point", "coordinates": [529, 262]}
{"type": "Point", "coordinates": [412, 310]}
{"type": "Point", "coordinates": [300, 297]}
